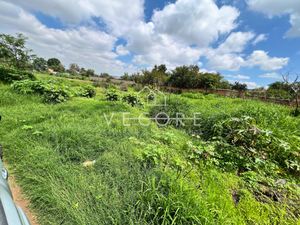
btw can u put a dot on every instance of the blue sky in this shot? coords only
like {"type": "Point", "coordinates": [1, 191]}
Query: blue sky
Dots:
{"type": "Point", "coordinates": [245, 40]}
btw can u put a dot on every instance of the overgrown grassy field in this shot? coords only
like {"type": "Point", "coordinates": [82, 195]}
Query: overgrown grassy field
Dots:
{"type": "Point", "coordinates": [147, 174]}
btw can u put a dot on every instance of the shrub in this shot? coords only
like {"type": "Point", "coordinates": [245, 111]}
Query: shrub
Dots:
{"type": "Point", "coordinates": [112, 95]}
{"type": "Point", "coordinates": [246, 147]}
{"type": "Point", "coordinates": [87, 92]}
{"type": "Point", "coordinates": [9, 75]}
{"type": "Point", "coordinates": [53, 90]}
{"type": "Point", "coordinates": [124, 87]}
{"type": "Point", "coordinates": [132, 99]}
{"type": "Point", "coordinates": [138, 87]}
{"type": "Point", "coordinates": [29, 87]}
{"type": "Point", "coordinates": [210, 96]}
{"type": "Point", "coordinates": [69, 76]}
{"type": "Point", "coordinates": [104, 85]}
{"type": "Point", "coordinates": [193, 95]}
{"type": "Point", "coordinates": [174, 105]}
{"type": "Point", "coordinates": [56, 92]}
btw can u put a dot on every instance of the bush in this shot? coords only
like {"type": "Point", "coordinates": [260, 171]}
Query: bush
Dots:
{"type": "Point", "coordinates": [138, 87]}
{"type": "Point", "coordinates": [193, 95]}
{"type": "Point", "coordinates": [132, 99]}
{"type": "Point", "coordinates": [53, 90]}
{"type": "Point", "coordinates": [10, 75]}
{"type": "Point", "coordinates": [29, 87]}
{"type": "Point", "coordinates": [87, 92]}
{"type": "Point", "coordinates": [104, 85]}
{"type": "Point", "coordinates": [174, 105]}
{"type": "Point", "coordinates": [69, 76]}
{"type": "Point", "coordinates": [56, 92]}
{"type": "Point", "coordinates": [245, 147]}
{"type": "Point", "coordinates": [112, 95]}
{"type": "Point", "coordinates": [124, 87]}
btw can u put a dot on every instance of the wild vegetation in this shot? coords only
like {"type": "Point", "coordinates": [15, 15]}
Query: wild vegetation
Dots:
{"type": "Point", "coordinates": [222, 165]}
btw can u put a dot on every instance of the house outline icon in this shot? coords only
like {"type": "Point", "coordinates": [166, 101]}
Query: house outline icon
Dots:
{"type": "Point", "coordinates": [154, 94]}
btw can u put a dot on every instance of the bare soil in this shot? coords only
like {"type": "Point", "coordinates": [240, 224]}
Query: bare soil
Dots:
{"type": "Point", "coordinates": [20, 200]}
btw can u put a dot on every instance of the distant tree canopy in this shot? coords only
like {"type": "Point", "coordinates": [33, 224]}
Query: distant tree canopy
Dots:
{"type": "Point", "coordinates": [74, 68]}
{"type": "Point", "coordinates": [161, 68]}
{"type": "Point", "coordinates": [89, 73]}
{"type": "Point", "coordinates": [61, 68]}
{"type": "Point", "coordinates": [125, 77]}
{"type": "Point", "coordinates": [105, 75]}
{"type": "Point", "coordinates": [280, 89]}
{"type": "Point", "coordinates": [239, 86]}
{"type": "Point", "coordinates": [186, 76]}
{"type": "Point", "coordinates": [13, 51]}
{"type": "Point", "coordinates": [189, 77]}
{"type": "Point", "coordinates": [53, 62]}
{"type": "Point", "coordinates": [39, 64]}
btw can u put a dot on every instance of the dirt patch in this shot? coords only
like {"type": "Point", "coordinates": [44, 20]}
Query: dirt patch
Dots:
{"type": "Point", "coordinates": [81, 80]}
{"type": "Point", "coordinates": [20, 200]}
{"type": "Point", "coordinates": [235, 196]}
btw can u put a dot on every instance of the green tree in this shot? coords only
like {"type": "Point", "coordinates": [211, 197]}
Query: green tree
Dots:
{"type": "Point", "coordinates": [184, 76]}
{"type": "Point", "coordinates": [239, 86]}
{"type": "Point", "coordinates": [82, 70]}
{"type": "Point", "coordinates": [125, 76]}
{"type": "Point", "coordinates": [89, 73]}
{"type": "Point", "coordinates": [74, 68]}
{"type": "Point", "coordinates": [53, 62]}
{"type": "Point", "coordinates": [161, 68]}
{"type": "Point", "coordinates": [60, 68]}
{"type": "Point", "coordinates": [224, 84]}
{"type": "Point", "coordinates": [39, 64]}
{"type": "Point", "coordinates": [13, 50]}
{"type": "Point", "coordinates": [105, 75]}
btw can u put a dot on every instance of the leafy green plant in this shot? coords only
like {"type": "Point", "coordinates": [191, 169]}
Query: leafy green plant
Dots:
{"type": "Point", "coordinates": [152, 154]}
{"type": "Point", "coordinates": [86, 91]}
{"type": "Point", "coordinates": [248, 147]}
{"type": "Point", "coordinates": [53, 91]}
{"type": "Point", "coordinates": [10, 75]}
{"type": "Point", "coordinates": [56, 92]}
{"type": "Point", "coordinates": [132, 99]}
{"type": "Point", "coordinates": [112, 95]}
{"type": "Point", "coordinates": [124, 87]}
{"type": "Point", "coordinates": [138, 87]}
{"type": "Point", "coordinates": [29, 87]}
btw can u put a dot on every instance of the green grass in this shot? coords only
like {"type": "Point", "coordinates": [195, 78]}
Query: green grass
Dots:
{"type": "Point", "coordinates": [134, 179]}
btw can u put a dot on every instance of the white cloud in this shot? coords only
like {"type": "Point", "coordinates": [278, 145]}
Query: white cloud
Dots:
{"type": "Point", "coordinates": [207, 71]}
{"type": "Point", "coordinates": [88, 47]}
{"type": "Point", "coordinates": [252, 85]}
{"type": "Point", "coordinates": [279, 8]}
{"type": "Point", "coordinates": [166, 39]}
{"type": "Point", "coordinates": [226, 56]}
{"type": "Point", "coordinates": [270, 75]}
{"type": "Point", "coordinates": [173, 29]}
{"type": "Point", "coordinates": [259, 38]}
{"type": "Point", "coordinates": [230, 62]}
{"type": "Point", "coordinates": [121, 50]}
{"type": "Point", "coordinates": [236, 42]}
{"type": "Point", "coordinates": [241, 77]}
{"type": "Point", "coordinates": [199, 64]}
{"type": "Point", "coordinates": [261, 58]}
{"type": "Point", "coordinates": [195, 21]}
{"type": "Point", "coordinates": [117, 14]}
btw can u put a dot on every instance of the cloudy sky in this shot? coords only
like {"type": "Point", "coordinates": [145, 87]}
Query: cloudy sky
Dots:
{"type": "Point", "coordinates": [245, 40]}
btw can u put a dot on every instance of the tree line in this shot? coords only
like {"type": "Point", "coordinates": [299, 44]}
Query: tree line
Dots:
{"type": "Point", "coordinates": [14, 53]}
